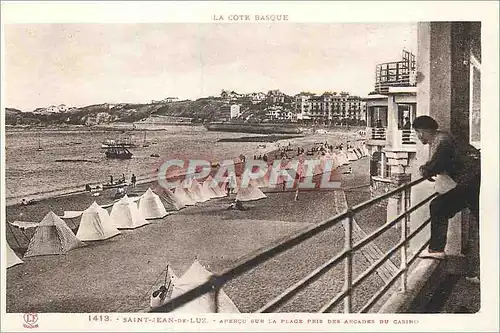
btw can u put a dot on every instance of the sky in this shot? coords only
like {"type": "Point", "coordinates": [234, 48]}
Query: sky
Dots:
{"type": "Point", "coordinates": [84, 64]}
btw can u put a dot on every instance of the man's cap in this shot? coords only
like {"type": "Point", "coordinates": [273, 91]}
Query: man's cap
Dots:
{"type": "Point", "coordinates": [425, 122]}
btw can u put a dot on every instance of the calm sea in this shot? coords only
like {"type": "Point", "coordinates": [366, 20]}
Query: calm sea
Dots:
{"type": "Point", "coordinates": [34, 174]}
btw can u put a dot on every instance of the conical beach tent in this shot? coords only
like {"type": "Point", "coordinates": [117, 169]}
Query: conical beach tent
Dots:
{"type": "Point", "coordinates": [11, 257]}
{"type": "Point", "coordinates": [359, 152]}
{"type": "Point", "coordinates": [191, 190]}
{"type": "Point", "coordinates": [183, 196]}
{"type": "Point", "coordinates": [163, 291]}
{"type": "Point", "coordinates": [125, 214]}
{"type": "Point", "coordinates": [96, 224]}
{"type": "Point", "coordinates": [52, 236]}
{"type": "Point", "coordinates": [197, 191]}
{"type": "Point", "coordinates": [249, 193]}
{"type": "Point", "coordinates": [343, 158]}
{"type": "Point", "coordinates": [210, 187]}
{"type": "Point", "coordinates": [195, 276]}
{"type": "Point", "coordinates": [365, 149]}
{"type": "Point", "coordinates": [151, 207]}
{"type": "Point", "coordinates": [351, 156]}
{"type": "Point", "coordinates": [169, 199]}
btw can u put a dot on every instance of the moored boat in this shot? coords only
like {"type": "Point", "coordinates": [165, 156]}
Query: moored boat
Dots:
{"type": "Point", "coordinates": [118, 153]}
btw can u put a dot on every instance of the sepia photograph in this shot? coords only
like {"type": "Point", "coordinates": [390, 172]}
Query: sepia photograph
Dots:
{"type": "Point", "coordinates": [200, 172]}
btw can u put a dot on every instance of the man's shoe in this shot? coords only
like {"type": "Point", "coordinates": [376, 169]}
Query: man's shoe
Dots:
{"type": "Point", "coordinates": [430, 254]}
{"type": "Point", "coordinates": [472, 279]}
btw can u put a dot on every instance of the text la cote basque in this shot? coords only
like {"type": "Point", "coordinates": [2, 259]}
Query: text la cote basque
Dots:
{"type": "Point", "coordinates": [245, 17]}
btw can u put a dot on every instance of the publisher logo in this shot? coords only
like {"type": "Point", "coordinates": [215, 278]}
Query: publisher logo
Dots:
{"type": "Point", "coordinates": [30, 320]}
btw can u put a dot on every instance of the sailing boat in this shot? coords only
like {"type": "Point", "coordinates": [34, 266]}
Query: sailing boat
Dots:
{"type": "Point", "coordinates": [39, 145]}
{"type": "Point", "coordinates": [145, 143]}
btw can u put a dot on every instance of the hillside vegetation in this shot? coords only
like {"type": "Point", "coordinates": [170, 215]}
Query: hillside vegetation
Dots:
{"type": "Point", "coordinates": [199, 110]}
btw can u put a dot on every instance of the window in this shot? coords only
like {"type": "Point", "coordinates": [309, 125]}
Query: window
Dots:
{"type": "Point", "coordinates": [475, 102]}
{"type": "Point", "coordinates": [406, 115]}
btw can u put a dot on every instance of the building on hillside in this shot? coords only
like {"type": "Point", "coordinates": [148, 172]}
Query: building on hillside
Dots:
{"type": "Point", "coordinates": [256, 98]}
{"type": "Point", "coordinates": [280, 113]}
{"type": "Point", "coordinates": [228, 111]}
{"type": "Point", "coordinates": [170, 99]}
{"type": "Point", "coordinates": [227, 95]}
{"type": "Point", "coordinates": [275, 97]}
{"type": "Point", "coordinates": [396, 74]}
{"type": "Point", "coordinates": [57, 108]}
{"type": "Point", "coordinates": [330, 108]}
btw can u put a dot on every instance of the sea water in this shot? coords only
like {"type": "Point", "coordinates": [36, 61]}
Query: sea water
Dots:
{"type": "Point", "coordinates": [37, 174]}
{"type": "Point", "coordinates": [34, 174]}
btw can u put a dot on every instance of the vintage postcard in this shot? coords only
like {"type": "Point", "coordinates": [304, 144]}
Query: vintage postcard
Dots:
{"type": "Point", "coordinates": [223, 166]}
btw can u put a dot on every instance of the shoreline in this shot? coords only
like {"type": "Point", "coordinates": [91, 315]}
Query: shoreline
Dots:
{"type": "Point", "coordinates": [276, 142]}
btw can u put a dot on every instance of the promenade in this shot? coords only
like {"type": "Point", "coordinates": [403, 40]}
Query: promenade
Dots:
{"type": "Point", "coordinates": [117, 275]}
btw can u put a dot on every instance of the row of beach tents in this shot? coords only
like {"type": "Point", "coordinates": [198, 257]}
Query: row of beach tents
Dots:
{"type": "Point", "coordinates": [53, 236]}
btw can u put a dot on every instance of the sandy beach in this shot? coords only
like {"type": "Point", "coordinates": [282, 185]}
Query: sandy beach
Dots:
{"type": "Point", "coordinates": [116, 275]}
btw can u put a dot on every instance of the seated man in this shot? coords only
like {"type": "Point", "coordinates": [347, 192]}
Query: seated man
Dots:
{"type": "Point", "coordinates": [461, 162]}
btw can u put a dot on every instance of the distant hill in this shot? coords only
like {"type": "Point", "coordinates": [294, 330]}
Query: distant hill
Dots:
{"type": "Point", "coordinates": [201, 109]}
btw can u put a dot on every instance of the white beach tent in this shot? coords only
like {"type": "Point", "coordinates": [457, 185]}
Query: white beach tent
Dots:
{"type": "Point", "coordinates": [160, 297]}
{"type": "Point", "coordinates": [11, 257]}
{"type": "Point", "coordinates": [249, 193]}
{"type": "Point", "coordinates": [151, 207]}
{"type": "Point", "coordinates": [262, 181]}
{"type": "Point", "coordinates": [183, 196]}
{"type": "Point", "coordinates": [170, 201]}
{"type": "Point", "coordinates": [211, 187]}
{"type": "Point", "coordinates": [187, 185]}
{"type": "Point", "coordinates": [343, 158]}
{"type": "Point", "coordinates": [197, 191]}
{"type": "Point", "coordinates": [195, 276]}
{"type": "Point", "coordinates": [351, 156]}
{"type": "Point", "coordinates": [96, 224]}
{"type": "Point", "coordinates": [52, 236]}
{"type": "Point", "coordinates": [359, 152]}
{"type": "Point", "coordinates": [125, 214]}
{"type": "Point", "coordinates": [365, 150]}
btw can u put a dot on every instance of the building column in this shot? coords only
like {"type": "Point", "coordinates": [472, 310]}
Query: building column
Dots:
{"type": "Point", "coordinates": [392, 122]}
{"type": "Point", "coordinates": [397, 161]}
{"type": "Point", "coordinates": [437, 95]}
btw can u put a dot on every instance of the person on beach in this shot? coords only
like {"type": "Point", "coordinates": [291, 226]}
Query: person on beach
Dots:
{"type": "Point", "coordinates": [133, 180]}
{"type": "Point", "coordinates": [461, 162]}
{"type": "Point", "coordinates": [237, 204]}
{"type": "Point", "coordinates": [111, 179]}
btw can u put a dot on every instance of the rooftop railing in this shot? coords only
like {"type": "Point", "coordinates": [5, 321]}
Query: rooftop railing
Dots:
{"type": "Point", "coordinates": [216, 281]}
{"type": "Point", "coordinates": [377, 133]}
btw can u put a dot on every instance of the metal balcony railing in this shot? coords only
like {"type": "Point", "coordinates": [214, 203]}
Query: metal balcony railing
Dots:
{"type": "Point", "coordinates": [408, 137]}
{"type": "Point", "coordinates": [216, 281]}
{"type": "Point", "coordinates": [378, 133]}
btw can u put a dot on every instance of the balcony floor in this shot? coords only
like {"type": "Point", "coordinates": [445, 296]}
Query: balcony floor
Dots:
{"type": "Point", "coordinates": [456, 295]}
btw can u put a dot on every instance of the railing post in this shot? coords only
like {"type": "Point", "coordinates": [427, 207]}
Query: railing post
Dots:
{"type": "Point", "coordinates": [216, 288]}
{"type": "Point", "coordinates": [348, 262]}
{"type": "Point", "coordinates": [405, 198]}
